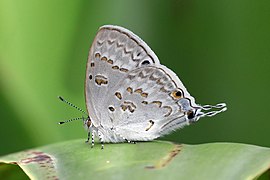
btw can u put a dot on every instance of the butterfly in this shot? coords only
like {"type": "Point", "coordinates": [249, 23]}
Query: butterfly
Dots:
{"type": "Point", "coordinates": [130, 96]}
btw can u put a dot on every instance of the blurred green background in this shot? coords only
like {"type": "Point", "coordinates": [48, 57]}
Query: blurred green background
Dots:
{"type": "Point", "coordinates": [219, 49]}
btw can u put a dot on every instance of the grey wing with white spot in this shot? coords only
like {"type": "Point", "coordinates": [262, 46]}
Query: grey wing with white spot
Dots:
{"type": "Point", "coordinates": [115, 52]}
{"type": "Point", "coordinates": [149, 102]}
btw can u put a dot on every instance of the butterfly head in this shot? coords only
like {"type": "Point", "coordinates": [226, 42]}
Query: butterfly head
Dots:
{"type": "Point", "coordinates": [87, 123]}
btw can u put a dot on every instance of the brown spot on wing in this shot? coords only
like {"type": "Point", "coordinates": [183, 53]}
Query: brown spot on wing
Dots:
{"type": "Point", "coordinates": [118, 95]}
{"type": "Point", "coordinates": [153, 78]}
{"type": "Point", "coordinates": [103, 58]}
{"type": "Point", "coordinates": [144, 102]}
{"type": "Point", "coordinates": [115, 67]}
{"type": "Point", "coordinates": [111, 108]}
{"type": "Point", "coordinates": [162, 89]}
{"type": "Point", "coordinates": [97, 55]}
{"type": "Point", "coordinates": [144, 95]}
{"type": "Point", "coordinates": [123, 70]}
{"type": "Point", "coordinates": [159, 82]}
{"type": "Point", "coordinates": [169, 110]}
{"type": "Point", "coordinates": [138, 90]}
{"type": "Point", "coordinates": [100, 79]}
{"type": "Point", "coordinates": [158, 103]}
{"type": "Point", "coordinates": [110, 61]}
{"type": "Point", "coordinates": [150, 125]}
{"type": "Point", "coordinates": [130, 90]}
{"type": "Point", "coordinates": [129, 105]}
{"type": "Point", "coordinates": [176, 94]}
{"type": "Point", "coordinates": [124, 107]}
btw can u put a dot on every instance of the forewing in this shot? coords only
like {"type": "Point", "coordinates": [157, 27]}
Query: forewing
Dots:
{"type": "Point", "coordinates": [114, 53]}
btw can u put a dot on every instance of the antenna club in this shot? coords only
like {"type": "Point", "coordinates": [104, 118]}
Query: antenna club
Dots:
{"type": "Point", "coordinates": [61, 122]}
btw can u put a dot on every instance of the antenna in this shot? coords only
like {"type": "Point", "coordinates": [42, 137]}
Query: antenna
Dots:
{"type": "Point", "coordinates": [70, 120]}
{"type": "Point", "coordinates": [72, 105]}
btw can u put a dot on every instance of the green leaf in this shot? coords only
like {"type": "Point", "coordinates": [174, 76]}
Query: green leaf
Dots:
{"type": "Point", "coordinates": [144, 160]}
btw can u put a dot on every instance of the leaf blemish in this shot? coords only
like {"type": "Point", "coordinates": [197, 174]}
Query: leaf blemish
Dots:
{"type": "Point", "coordinates": [44, 161]}
{"type": "Point", "coordinates": [38, 157]}
{"type": "Point", "coordinates": [167, 159]}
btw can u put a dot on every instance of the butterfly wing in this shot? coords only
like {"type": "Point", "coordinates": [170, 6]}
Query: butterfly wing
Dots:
{"type": "Point", "coordinates": [115, 52]}
{"type": "Point", "coordinates": [146, 104]}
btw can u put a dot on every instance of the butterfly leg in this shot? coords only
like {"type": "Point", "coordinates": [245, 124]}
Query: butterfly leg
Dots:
{"type": "Point", "coordinates": [101, 140]}
{"type": "Point", "coordinates": [93, 140]}
{"type": "Point", "coordinates": [88, 137]}
{"type": "Point", "coordinates": [130, 142]}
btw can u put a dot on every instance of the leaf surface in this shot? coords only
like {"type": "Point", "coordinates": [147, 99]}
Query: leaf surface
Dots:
{"type": "Point", "coordinates": [144, 160]}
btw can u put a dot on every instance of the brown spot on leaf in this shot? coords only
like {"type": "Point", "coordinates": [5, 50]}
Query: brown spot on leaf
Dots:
{"type": "Point", "coordinates": [44, 162]}
{"type": "Point", "coordinates": [164, 161]}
